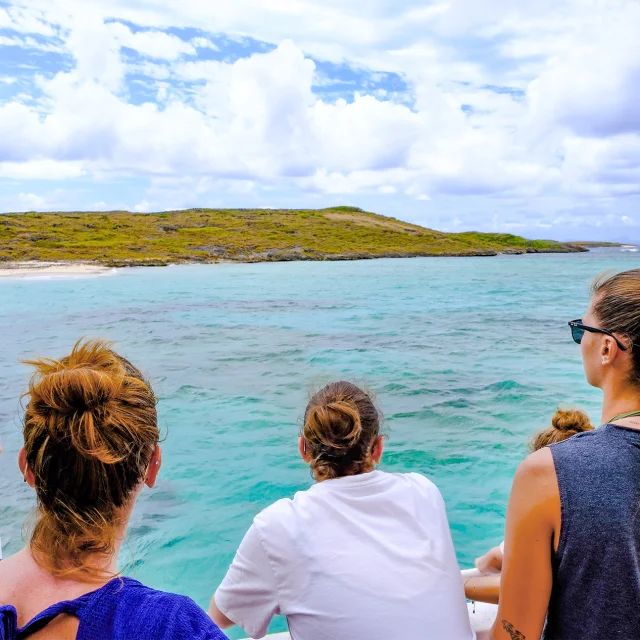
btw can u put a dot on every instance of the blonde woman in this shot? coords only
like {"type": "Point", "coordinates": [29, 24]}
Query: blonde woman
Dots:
{"type": "Point", "coordinates": [90, 447]}
{"type": "Point", "coordinates": [565, 424]}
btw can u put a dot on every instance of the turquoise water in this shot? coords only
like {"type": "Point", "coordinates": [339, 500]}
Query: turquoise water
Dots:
{"type": "Point", "coordinates": [468, 356]}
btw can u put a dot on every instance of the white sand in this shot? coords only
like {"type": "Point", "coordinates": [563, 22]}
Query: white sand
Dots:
{"type": "Point", "coordinates": [51, 269]}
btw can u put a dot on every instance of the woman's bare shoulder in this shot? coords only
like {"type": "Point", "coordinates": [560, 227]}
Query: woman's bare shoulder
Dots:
{"type": "Point", "coordinates": [11, 577]}
{"type": "Point", "coordinates": [22, 584]}
{"type": "Point", "coordinates": [538, 464]}
{"type": "Point", "coordinates": [13, 566]}
{"type": "Point", "coordinates": [536, 478]}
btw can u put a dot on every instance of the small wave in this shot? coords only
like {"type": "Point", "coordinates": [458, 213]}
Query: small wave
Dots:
{"type": "Point", "coordinates": [392, 386]}
{"type": "Point", "coordinates": [504, 385]}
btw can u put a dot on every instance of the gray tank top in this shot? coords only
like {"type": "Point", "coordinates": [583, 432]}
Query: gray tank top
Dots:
{"type": "Point", "coordinates": [596, 570]}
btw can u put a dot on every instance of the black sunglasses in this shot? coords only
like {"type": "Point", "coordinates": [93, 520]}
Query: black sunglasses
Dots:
{"type": "Point", "coordinates": [578, 329]}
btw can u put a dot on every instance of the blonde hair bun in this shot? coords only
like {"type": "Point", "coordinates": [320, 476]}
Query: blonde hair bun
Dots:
{"type": "Point", "coordinates": [565, 424]}
{"type": "Point", "coordinates": [572, 420]}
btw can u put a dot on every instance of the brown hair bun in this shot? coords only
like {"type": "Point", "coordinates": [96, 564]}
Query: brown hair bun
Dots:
{"type": "Point", "coordinates": [341, 424]}
{"type": "Point", "coordinates": [336, 425]}
{"type": "Point", "coordinates": [90, 429]}
{"type": "Point", "coordinates": [565, 423]}
{"type": "Point", "coordinates": [572, 420]}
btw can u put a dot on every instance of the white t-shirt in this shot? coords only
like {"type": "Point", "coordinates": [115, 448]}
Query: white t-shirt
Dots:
{"type": "Point", "coordinates": [363, 557]}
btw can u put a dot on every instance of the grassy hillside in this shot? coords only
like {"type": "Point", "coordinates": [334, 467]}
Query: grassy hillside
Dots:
{"type": "Point", "coordinates": [251, 235]}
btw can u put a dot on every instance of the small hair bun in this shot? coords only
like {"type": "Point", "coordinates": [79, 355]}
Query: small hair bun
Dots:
{"type": "Point", "coordinates": [82, 390]}
{"type": "Point", "coordinates": [337, 426]}
{"type": "Point", "coordinates": [571, 420]}
{"type": "Point", "coordinates": [340, 426]}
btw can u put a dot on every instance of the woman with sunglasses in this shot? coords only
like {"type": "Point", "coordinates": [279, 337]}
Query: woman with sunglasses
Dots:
{"type": "Point", "coordinates": [573, 521]}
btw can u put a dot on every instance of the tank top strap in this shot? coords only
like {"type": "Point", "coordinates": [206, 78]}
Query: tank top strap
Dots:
{"type": "Point", "coordinates": [8, 622]}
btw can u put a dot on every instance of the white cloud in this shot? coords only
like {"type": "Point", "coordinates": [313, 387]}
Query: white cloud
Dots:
{"type": "Point", "coordinates": [571, 133]}
{"type": "Point", "coordinates": [150, 69]}
{"type": "Point", "coordinates": [41, 170]}
{"type": "Point", "coordinates": [593, 85]}
{"type": "Point", "coordinates": [258, 119]}
{"type": "Point", "coordinates": [365, 134]}
{"type": "Point", "coordinates": [33, 202]}
{"type": "Point", "coordinates": [200, 69]}
{"type": "Point", "coordinates": [153, 44]}
{"type": "Point", "coordinates": [25, 20]}
{"type": "Point", "coordinates": [602, 166]}
{"type": "Point", "coordinates": [204, 43]}
{"type": "Point", "coordinates": [99, 206]}
{"type": "Point", "coordinates": [55, 200]}
{"type": "Point", "coordinates": [96, 50]}
{"type": "Point", "coordinates": [30, 43]}
{"type": "Point", "coordinates": [143, 207]}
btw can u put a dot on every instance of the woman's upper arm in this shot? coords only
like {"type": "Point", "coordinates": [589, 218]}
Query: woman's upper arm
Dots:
{"type": "Point", "coordinates": [248, 595]}
{"type": "Point", "coordinates": [533, 517]}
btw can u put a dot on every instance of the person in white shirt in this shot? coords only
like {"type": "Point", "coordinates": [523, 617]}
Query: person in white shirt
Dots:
{"type": "Point", "coordinates": [361, 555]}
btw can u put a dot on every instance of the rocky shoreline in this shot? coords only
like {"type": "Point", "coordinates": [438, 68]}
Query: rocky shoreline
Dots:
{"type": "Point", "coordinates": [98, 267]}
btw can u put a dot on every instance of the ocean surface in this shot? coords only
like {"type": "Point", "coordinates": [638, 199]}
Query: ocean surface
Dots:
{"type": "Point", "coordinates": [468, 358]}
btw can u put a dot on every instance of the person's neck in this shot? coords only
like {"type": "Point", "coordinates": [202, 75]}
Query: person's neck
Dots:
{"type": "Point", "coordinates": [107, 564]}
{"type": "Point", "coordinates": [619, 400]}
{"type": "Point", "coordinates": [104, 564]}
{"type": "Point", "coordinates": [99, 568]}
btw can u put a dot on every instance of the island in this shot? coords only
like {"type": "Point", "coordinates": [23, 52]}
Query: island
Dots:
{"type": "Point", "coordinates": [122, 238]}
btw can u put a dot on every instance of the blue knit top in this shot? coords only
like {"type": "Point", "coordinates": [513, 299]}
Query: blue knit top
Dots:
{"type": "Point", "coordinates": [123, 609]}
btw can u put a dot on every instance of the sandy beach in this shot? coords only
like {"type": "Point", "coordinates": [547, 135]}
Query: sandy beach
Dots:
{"type": "Point", "coordinates": [50, 269]}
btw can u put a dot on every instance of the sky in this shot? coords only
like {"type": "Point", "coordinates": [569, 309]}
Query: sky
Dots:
{"type": "Point", "coordinates": [493, 115]}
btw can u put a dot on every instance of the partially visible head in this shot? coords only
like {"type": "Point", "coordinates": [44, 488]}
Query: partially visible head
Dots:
{"type": "Point", "coordinates": [565, 423]}
{"type": "Point", "coordinates": [341, 432]}
{"type": "Point", "coordinates": [90, 443]}
{"type": "Point", "coordinates": [615, 306]}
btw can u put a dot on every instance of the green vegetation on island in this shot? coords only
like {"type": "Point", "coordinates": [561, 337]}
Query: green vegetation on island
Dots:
{"type": "Point", "coordinates": [122, 238]}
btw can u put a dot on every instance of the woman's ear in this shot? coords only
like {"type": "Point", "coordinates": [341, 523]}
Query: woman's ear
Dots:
{"type": "Point", "coordinates": [378, 448]}
{"type": "Point", "coordinates": [154, 467]}
{"type": "Point", "coordinates": [607, 349]}
{"type": "Point", "coordinates": [302, 447]}
{"type": "Point", "coordinates": [25, 470]}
